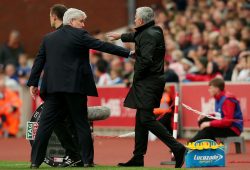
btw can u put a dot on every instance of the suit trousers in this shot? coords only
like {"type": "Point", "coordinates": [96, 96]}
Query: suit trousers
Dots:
{"type": "Point", "coordinates": [76, 105]}
{"type": "Point", "coordinates": [145, 122]}
{"type": "Point", "coordinates": [66, 134]}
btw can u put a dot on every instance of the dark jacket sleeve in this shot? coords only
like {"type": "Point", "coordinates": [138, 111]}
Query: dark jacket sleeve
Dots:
{"type": "Point", "coordinates": [128, 37]}
{"type": "Point", "coordinates": [37, 66]}
{"type": "Point", "coordinates": [93, 43]}
{"type": "Point", "coordinates": [145, 58]}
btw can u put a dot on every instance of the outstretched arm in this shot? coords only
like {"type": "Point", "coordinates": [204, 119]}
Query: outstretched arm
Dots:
{"type": "Point", "coordinates": [127, 37]}
{"type": "Point", "coordinates": [92, 43]}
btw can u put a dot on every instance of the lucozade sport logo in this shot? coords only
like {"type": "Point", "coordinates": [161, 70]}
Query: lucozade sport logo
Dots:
{"type": "Point", "coordinates": [214, 158]}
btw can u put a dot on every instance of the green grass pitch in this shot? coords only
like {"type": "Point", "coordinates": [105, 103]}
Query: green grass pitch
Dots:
{"type": "Point", "coordinates": [4, 165]}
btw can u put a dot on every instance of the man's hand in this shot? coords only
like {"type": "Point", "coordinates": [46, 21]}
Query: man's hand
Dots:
{"type": "Point", "coordinates": [114, 36]}
{"type": "Point", "coordinates": [200, 117]}
{"type": "Point", "coordinates": [33, 91]}
{"type": "Point", "coordinates": [204, 125]}
{"type": "Point", "coordinates": [132, 54]}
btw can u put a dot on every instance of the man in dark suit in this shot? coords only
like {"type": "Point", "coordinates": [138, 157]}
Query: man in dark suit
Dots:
{"type": "Point", "coordinates": [148, 86]}
{"type": "Point", "coordinates": [67, 81]}
{"type": "Point", "coordinates": [64, 130]}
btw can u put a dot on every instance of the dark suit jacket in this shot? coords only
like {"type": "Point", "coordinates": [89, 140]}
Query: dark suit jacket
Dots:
{"type": "Point", "coordinates": [149, 81]}
{"type": "Point", "coordinates": [64, 56]}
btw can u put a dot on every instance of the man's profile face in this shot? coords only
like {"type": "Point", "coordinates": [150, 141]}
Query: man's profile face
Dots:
{"type": "Point", "coordinates": [78, 22]}
{"type": "Point", "coordinates": [138, 21]}
{"type": "Point", "coordinates": [52, 19]}
{"type": "Point", "coordinates": [213, 90]}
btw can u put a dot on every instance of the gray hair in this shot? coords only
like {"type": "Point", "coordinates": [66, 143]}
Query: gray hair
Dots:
{"type": "Point", "coordinates": [72, 13]}
{"type": "Point", "coordinates": [145, 13]}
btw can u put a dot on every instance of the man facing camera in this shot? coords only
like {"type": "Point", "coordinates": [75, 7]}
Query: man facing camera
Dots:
{"type": "Point", "coordinates": [67, 81]}
{"type": "Point", "coordinates": [228, 108]}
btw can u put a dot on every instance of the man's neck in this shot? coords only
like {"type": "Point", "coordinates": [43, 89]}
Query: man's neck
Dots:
{"type": "Point", "coordinates": [58, 24]}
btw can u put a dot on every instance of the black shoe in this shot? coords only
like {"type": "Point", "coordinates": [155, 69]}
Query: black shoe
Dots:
{"type": "Point", "coordinates": [132, 162]}
{"type": "Point", "coordinates": [88, 165]}
{"type": "Point", "coordinates": [71, 162]}
{"type": "Point", "coordinates": [180, 157]}
{"type": "Point", "coordinates": [34, 166]}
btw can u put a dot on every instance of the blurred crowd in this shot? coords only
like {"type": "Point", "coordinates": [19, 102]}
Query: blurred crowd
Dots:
{"type": "Point", "coordinates": [207, 38]}
{"type": "Point", "coordinates": [14, 61]}
{"type": "Point", "coordinates": [204, 39]}
{"type": "Point", "coordinates": [14, 73]}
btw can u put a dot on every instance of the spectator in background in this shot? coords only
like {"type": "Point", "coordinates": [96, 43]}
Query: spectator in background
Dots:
{"type": "Point", "coordinates": [94, 56]}
{"type": "Point", "coordinates": [10, 71]}
{"type": "Point", "coordinates": [116, 68]}
{"type": "Point", "coordinates": [241, 71]}
{"type": "Point", "coordinates": [234, 52]}
{"type": "Point", "coordinates": [212, 71]}
{"type": "Point", "coordinates": [182, 40]}
{"type": "Point", "coordinates": [176, 65]}
{"type": "Point", "coordinates": [201, 64]}
{"type": "Point", "coordinates": [116, 77]}
{"type": "Point", "coordinates": [188, 66]}
{"type": "Point", "coordinates": [116, 64]}
{"type": "Point", "coordinates": [245, 36]}
{"type": "Point", "coordinates": [10, 50]}
{"type": "Point", "coordinates": [10, 83]}
{"type": "Point", "coordinates": [165, 113]}
{"type": "Point", "coordinates": [10, 105]}
{"type": "Point", "coordinates": [246, 12]}
{"type": "Point", "coordinates": [23, 70]}
{"type": "Point", "coordinates": [228, 110]}
{"type": "Point", "coordinates": [104, 78]}
{"type": "Point", "coordinates": [223, 63]}
{"type": "Point", "coordinates": [128, 72]}
{"type": "Point", "coordinates": [170, 75]}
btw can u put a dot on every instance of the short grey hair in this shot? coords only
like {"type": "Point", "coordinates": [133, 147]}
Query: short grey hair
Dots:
{"type": "Point", "coordinates": [72, 13]}
{"type": "Point", "coordinates": [145, 13]}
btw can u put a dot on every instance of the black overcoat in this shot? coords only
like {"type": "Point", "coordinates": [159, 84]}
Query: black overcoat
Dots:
{"type": "Point", "coordinates": [148, 83]}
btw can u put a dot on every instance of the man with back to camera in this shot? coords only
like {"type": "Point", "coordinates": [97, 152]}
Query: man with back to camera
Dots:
{"type": "Point", "coordinates": [227, 105]}
{"type": "Point", "coordinates": [64, 130]}
{"type": "Point", "coordinates": [148, 85]}
{"type": "Point", "coordinates": [67, 80]}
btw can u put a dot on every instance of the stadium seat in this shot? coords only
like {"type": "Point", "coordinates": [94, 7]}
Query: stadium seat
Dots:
{"type": "Point", "coordinates": [239, 142]}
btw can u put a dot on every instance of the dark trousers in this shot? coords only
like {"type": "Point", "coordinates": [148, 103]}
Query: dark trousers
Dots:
{"type": "Point", "coordinates": [145, 122]}
{"type": "Point", "coordinates": [212, 133]}
{"type": "Point", "coordinates": [66, 134]}
{"type": "Point", "coordinates": [166, 120]}
{"type": "Point", "coordinates": [76, 105]}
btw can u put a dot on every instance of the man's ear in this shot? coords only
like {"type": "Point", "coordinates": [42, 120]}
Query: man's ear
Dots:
{"type": "Point", "coordinates": [55, 17]}
{"type": "Point", "coordinates": [141, 21]}
{"type": "Point", "coordinates": [71, 22]}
